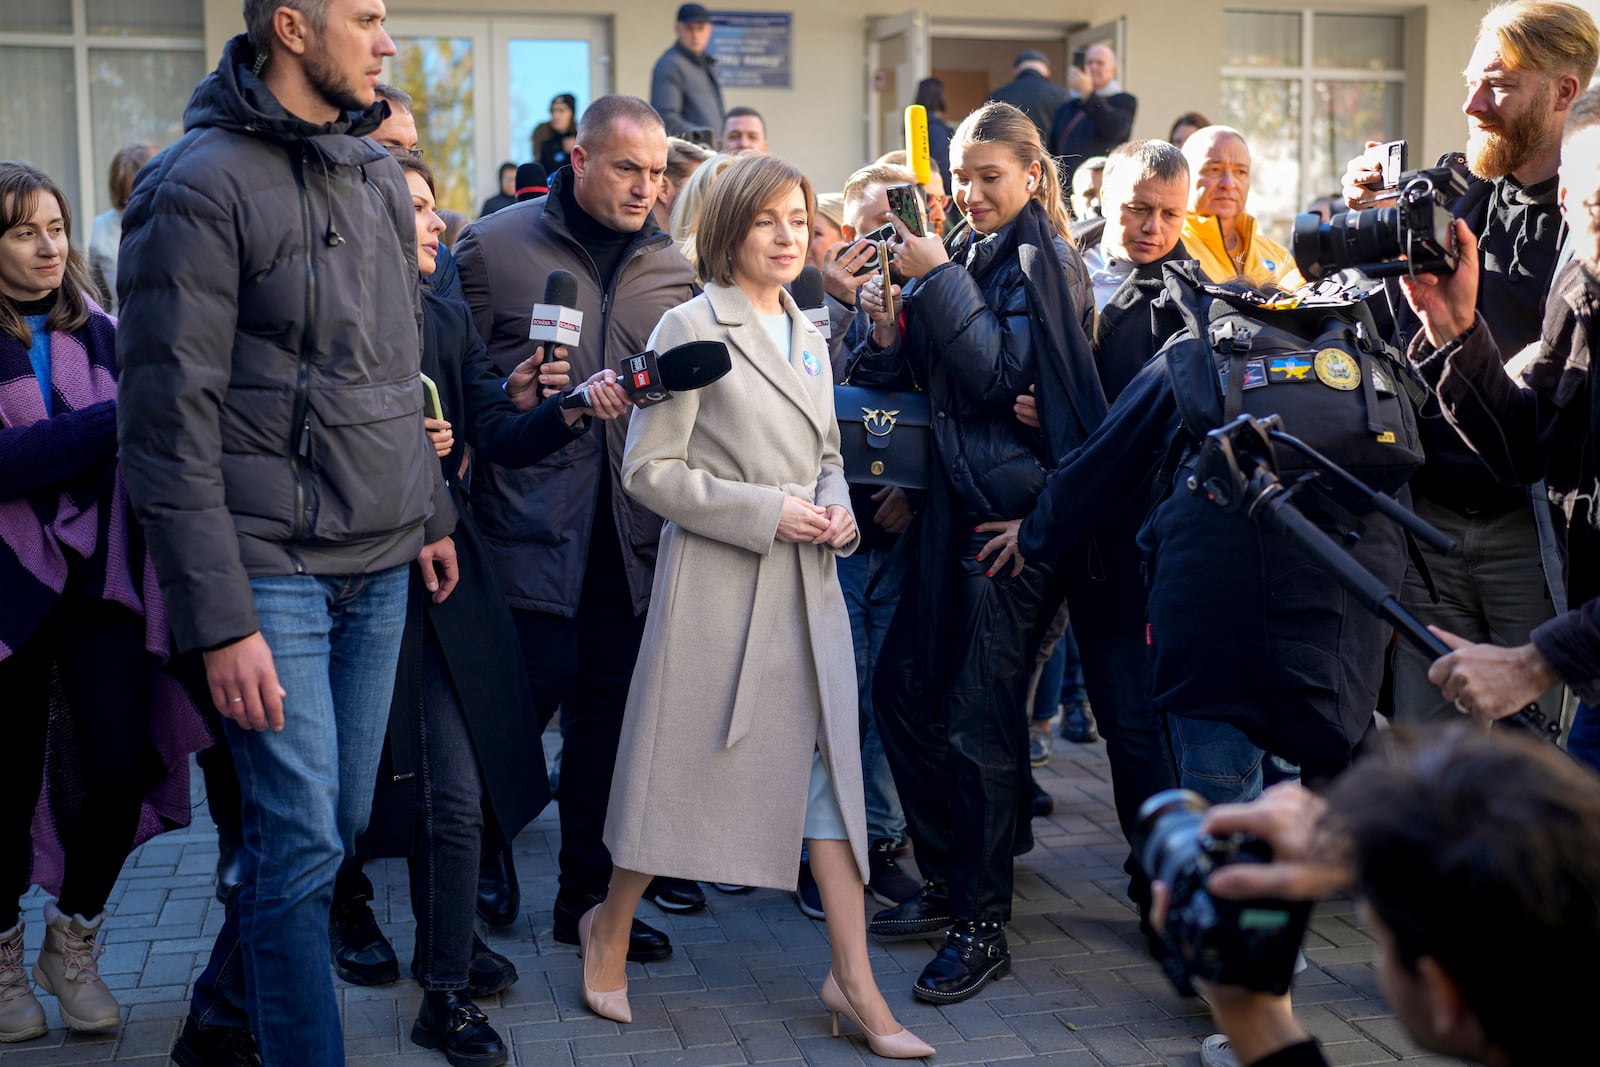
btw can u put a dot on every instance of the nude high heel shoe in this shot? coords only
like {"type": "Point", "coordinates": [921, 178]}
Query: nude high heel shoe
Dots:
{"type": "Point", "coordinates": [613, 1004]}
{"type": "Point", "coordinates": [900, 1045]}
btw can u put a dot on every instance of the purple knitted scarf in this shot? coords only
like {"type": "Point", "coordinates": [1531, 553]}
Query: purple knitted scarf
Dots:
{"type": "Point", "coordinates": [34, 545]}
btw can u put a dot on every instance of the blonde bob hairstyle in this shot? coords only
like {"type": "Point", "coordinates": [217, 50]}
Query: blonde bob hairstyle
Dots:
{"type": "Point", "coordinates": [748, 185]}
{"type": "Point", "coordinates": [691, 197]}
{"type": "Point", "coordinates": [999, 123]}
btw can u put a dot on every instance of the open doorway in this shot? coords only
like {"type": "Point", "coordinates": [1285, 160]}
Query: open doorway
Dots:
{"type": "Point", "coordinates": [973, 68]}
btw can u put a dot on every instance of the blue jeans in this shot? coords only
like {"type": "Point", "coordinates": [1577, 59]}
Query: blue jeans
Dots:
{"type": "Point", "coordinates": [1216, 760]}
{"type": "Point", "coordinates": [869, 621]}
{"type": "Point", "coordinates": [307, 793]}
{"type": "Point", "coordinates": [1583, 740]}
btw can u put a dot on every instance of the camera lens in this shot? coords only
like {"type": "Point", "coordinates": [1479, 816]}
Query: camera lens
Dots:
{"type": "Point", "coordinates": [1167, 833]}
{"type": "Point", "coordinates": [1354, 239]}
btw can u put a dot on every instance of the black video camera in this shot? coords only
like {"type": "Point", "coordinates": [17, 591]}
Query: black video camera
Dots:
{"type": "Point", "coordinates": [1414, 235]}
{"type": "Point", "coordinates": [1248, 943]}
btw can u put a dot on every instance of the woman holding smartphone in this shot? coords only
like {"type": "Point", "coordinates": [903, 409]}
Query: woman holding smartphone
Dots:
{"type": "Point", "coordinates": [1001, 306]}
{"type": "Point", "coordinates": [740, 738]}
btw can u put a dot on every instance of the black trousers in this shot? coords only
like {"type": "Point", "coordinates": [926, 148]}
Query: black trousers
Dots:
{"type": "Point", "coordinates": [956, 733]}
{"type": "Point", "coordinates": [95, 650]}
{"type": "Point", "coordinates": [582, 667]}
{"type": "Point", "coordinates": [1105, 594]}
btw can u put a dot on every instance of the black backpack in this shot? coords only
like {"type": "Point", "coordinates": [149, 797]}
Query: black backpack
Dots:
{"type": "Point", "coordinates": [1316, 361]}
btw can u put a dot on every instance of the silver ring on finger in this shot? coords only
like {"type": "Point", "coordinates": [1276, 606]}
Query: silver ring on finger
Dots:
{"type": "Point", "coordinates": [236, 700]}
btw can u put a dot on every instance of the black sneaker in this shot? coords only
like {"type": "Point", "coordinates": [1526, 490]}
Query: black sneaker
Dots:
{"type": "Point", "coordinates": [361, 954]}
{"type": "Point", "coordinates": [926, 913]}
{"type": "Point", "coordinates": [214, 1046]}
{"type": "Point", "coordinates": [1077, 723]}
{"type": "Point", "coordinates": [973, 954]}
{"type": "Point", "coordinates": [733, 889]}
{"type": "Point", "coordinates": [807, 895]}
{"type": "Point", "coordinates": [1043, 803]}
{"type": "Point", "coordinates": [890, 884]}
{"type": "Point", "coordinates": [676, 894]}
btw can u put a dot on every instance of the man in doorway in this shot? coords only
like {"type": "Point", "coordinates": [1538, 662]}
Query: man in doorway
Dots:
{"type": "Point", "coordinates": [683, 86]}
{"type": "Point", "coordinates": [1097, 117]}
{"type": "Point", "coordinates": [1219, 232]}
{"type": "Point", "coordinates": [1031, 91]}
{"type": "Point", "coordinates": [743, 130]}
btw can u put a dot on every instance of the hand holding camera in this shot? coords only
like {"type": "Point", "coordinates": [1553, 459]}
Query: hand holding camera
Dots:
{"type": "Point", "coordinates": [1447, 303]}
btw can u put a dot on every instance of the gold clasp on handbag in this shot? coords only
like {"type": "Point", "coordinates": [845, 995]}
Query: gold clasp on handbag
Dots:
{"type": "Point", "coordinates": [877, 421]}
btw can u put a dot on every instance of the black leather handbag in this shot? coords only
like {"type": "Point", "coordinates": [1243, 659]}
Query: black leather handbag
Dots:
{"type": "Point", "coordinates": [884, 436]}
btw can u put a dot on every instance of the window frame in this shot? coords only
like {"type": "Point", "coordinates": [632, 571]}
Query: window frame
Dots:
{"type": "Point", "coordinates": [1307, 74]}
{"type": "Point", "coordinates": [91, 169]}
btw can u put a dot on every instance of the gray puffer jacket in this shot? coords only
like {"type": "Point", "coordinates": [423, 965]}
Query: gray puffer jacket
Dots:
{"type": "Point", "coordinates": [270, 410]}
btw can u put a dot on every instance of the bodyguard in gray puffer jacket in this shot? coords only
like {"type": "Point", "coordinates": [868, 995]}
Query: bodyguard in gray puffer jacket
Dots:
{"type": "Point", "coordinates": [272, 437]}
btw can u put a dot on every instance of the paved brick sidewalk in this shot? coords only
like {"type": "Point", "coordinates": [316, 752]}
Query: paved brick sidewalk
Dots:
{"type": "Point", "coordinates": [741, 985]}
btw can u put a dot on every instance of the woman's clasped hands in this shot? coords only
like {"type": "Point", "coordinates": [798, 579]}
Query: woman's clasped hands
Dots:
{"type": "Point", "coordinates": [802, 522]}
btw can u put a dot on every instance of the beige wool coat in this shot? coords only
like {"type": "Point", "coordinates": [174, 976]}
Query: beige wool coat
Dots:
{"type": "Point", "coordinates": [747, 664]}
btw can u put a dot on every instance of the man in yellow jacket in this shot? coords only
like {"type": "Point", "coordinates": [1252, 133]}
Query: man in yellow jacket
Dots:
{"type": "Point", "coordinates": [1219, 232]}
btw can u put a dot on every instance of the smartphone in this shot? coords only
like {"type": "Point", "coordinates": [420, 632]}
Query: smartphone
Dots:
{"type": "Point", "coordinates": [1080, 58]}
{"type": "Point", "coordinates": [430, 398]}
{"type": "Point", "coordinates": [883, 265]}
{"type": "Point", "coordinates": [878, 236]}
{"type": "Point", "coordinates": [906, 202]}
{"type": "Point", "coordinates": [1391, 158]}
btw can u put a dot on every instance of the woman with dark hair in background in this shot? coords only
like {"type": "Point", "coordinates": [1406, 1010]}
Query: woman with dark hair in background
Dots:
{"type": "Point", "coordinates": [554, 138]}
{"type": "Point", "coordinates": [105, 234]}
{"type": "Point", "coordinates": [683, 159]}
{"type": "Point", "coordinates": [1001, 304]}
{"type": "Point", "coordinates": [462, 712]}
{"type": "Point", "coordinates": [1185, 124]}
{"type": "Point", "coordinates": [83, 622]}
{"type": "Point", "coordinates": [930, 94]}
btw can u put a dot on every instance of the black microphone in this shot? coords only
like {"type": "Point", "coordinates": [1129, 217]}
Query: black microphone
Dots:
{"type": "Point", "coordinates": [532, 182]}
{"type": "Point", "coordinates": [809, 293]}
{"type": "Point", "coordinates": [649, 378]}
{"type": "Point", "coordinates": [557, 321]}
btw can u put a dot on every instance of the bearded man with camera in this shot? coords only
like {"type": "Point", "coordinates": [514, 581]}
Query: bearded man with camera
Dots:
{"type": "Point", "coordinates": [1531, 60]}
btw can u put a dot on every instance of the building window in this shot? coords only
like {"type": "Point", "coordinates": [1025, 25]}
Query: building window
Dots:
{"type": "Point", "coordinates": [1308, 89]}
{"type": "Point", "coordinates": [96, 75]}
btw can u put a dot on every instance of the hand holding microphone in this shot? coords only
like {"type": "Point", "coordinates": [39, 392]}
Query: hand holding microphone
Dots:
{"type": "Point", "coordinates": [602, 397]}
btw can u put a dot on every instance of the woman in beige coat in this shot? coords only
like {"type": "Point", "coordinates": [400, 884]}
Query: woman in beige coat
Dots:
{"type": "Point", "coordinates": [740, 736]}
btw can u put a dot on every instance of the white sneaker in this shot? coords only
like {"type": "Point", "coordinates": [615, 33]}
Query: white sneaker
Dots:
{"type": "Point", "coordinates": [1217, 1051]}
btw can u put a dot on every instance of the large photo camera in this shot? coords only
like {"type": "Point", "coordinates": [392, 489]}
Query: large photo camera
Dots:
{"type": "Point", "coordinates": [1249, 943]}
{"type": "Point", "coordinates": [1413, 235]}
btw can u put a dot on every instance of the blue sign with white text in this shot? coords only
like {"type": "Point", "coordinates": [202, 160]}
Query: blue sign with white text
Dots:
{"type": "Point", "coordinates": [752, 49]}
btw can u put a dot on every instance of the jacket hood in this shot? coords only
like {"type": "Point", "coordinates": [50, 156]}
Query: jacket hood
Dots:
{"type": "Point", "coordinates": [234, 98]}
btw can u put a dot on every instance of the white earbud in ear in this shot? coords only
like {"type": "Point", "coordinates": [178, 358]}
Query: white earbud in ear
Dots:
{"type": "Point", "coordinates": [1030, 185]}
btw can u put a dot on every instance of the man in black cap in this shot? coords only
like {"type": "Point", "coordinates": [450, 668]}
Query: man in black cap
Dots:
{"type": "Point", "coordinates": [1031, 91]}
{"type": "Point", "coordinates": [683, 88]}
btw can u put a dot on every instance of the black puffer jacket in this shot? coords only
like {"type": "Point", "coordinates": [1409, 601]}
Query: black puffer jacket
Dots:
{"type": "Point", "coordinates": [969, 343]}
{"type": "Point", "coordinates": [271, 414]}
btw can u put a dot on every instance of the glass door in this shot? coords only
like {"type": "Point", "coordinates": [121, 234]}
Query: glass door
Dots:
{"type": "Point", "coordinates": [441, 64]}
{"type": "Point", "coordinates": [897, 59]}
{"type": "Point", "coordinates": [538, 59]}
{"type": "Point", "coordinates": [480, 86]}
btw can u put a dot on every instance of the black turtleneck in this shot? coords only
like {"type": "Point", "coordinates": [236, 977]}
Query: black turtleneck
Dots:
{"type": "Point", "coordinates": [604, 245]}
{"type": "Point", "coordinates": [42, 306]}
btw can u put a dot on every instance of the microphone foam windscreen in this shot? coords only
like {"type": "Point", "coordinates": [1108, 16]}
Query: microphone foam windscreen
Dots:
{"type": "Point", "coordinates": [808, 290]}
{"type": "Point", "coordinates": [693, 365]}
{"type": "Point", "coordinates": [561, 288]}
{"type": "Point", "coordinates": [532, 181]}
